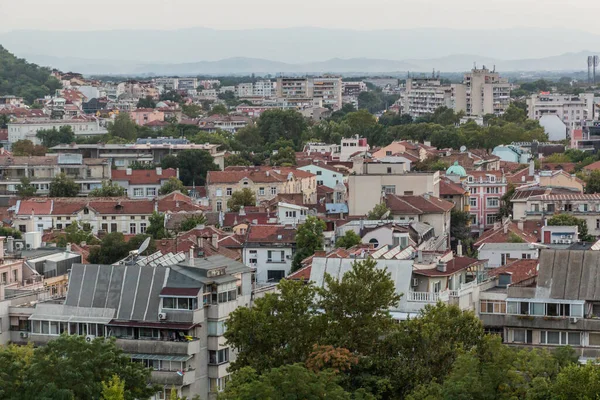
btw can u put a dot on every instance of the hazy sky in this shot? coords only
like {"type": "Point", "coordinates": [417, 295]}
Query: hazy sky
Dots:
{"type": "Point", "coordinates": [239, 14]}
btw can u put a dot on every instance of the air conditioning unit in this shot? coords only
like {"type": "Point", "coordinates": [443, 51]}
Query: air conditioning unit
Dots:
{"type": "Point", "coordinates": [162, 316]}
{"type": "Point", "coordinates": [415, 282]}
{"type": "Point", "coordinates": [288, 257]}
{"type": "Point", "coordinates": [570, 236]}
{"type": "Point", "coordinates": [567, 241]}
{"type": "Point", "coordinates": [573, 320]}
{"type": "Point", "coordinates": [563, 236]}
{"type": "Point", "coordinates": [90, 338]}
{"type": "Point", "coordinates": [554, 241]}
{"type": "Point", "coordinates": [24, 335]}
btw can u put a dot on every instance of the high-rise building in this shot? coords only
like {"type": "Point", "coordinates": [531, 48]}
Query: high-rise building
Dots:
{"type": "Point", "coordinates": [424, 95]}
{"type": "Point", "coordinates": [329, 89]}
{"type": "Point", "coordinates": [485, 93]}
{"type": "Point", "coordinates": [571, 109]}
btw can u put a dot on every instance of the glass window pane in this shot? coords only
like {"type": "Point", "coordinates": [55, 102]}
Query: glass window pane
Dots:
{"type": "Point", "coordinates": [519, 335]}
{"type": "Point", "coordinates": [553, 337]}
{"type": "Point", "coordinates": [574, 338]}
{"type": "Point", "coordinates": [538, 308]}
{"type": "Point", "coordinates": [45, 327]}
{"type": "Point", "coordinates": [577, 310]}
{"type": "Point", "coordinates": [513, 307]}
{"type": "Point", "coordinates": [54, 328]}
{"type": "Point", "coordinates": [182, 304]}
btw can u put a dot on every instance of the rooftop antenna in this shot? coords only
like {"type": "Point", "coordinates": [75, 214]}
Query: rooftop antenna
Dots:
{"type": "Point", "coordinates": [386, 214]}
{"type": "Point", "coordinates": [596, 63]}
{"type": "Point", "coordinates": [133, 254]}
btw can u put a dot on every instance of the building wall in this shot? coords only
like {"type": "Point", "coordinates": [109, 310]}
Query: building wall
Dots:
{"type": "Point", "coordinates": [260, 254]}
{"type": "Point", "coordinates": [325, 176]}
{"type": "Point", "coordinates": [494, 256]}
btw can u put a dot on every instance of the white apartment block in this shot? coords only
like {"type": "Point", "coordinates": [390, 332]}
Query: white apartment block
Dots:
{"type": "Point", "coordinates": [424, 95]}
{"type": "Point", "coordinates": [571, 109]}
{"type": "Point", "coordinates": [294, 88]}
{"type": "Point", "coordinates": [264, 88]}
{"type": "Point", "coordinates": [244, 90]}
{"type": "Point", "coordinates": [484, 93]}
{"type": "Point", "coordinates": [187, 84]}
{"type": "Point", "coordinates": [167, 84]}
{"type": "Point", "coordinates": [329, 90]}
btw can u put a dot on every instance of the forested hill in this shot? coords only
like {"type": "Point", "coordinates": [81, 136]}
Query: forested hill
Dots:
{"type": "Point", "coordinates": [20, 78]}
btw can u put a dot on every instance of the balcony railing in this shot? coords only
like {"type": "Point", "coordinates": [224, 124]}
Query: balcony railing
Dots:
{"type": "Point", "coordinates": [425, 297]}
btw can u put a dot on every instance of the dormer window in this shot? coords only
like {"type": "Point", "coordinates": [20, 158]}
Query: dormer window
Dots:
{"type": "Point", "coordinates": [86, 210]}
{"type": "Point", "coordinates": [470, 179]}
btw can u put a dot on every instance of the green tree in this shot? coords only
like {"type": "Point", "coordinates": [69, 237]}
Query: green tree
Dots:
{"type": "Point", "coordinates": [172, 185]}
{"type": "Point", "coordinates": [146, 102]}
{"type": "Point", "coordinates": [249, 138]}
{"type": "Point", "coordinates": [286, 156]}
{"type": "Point", "coordinates": [309, 238]}
{"type": "Point", "coordinates": [114, 389]}
{"type": "Point", "coordinates": [570, 220]}
{"type": "Point", "coordinates": [123, 127]}
{"type": "Point", "coordinates": [280, 328]}
{"type": "Point", "coordinates": [7, 231]}
{"type": "Point", "coordinates": [54, 137]}
{"type": "Point", "coordinates": [236, 160]}
{"type": "Point", "coordinates": [171, 95]}
{"type": "Point", "coordinates": [349, 239]}
{"type": "Point", "coordinates": [282, 124]}
{"type": "Point", "coordinates": [239, 198]}
{"type": "Point", "coordinates": [378, 212]}
{"type": "Point", "coordinates": [289, 381]}
{"type": "Point", "coordinates": [63, 186]}
{"type": "Point", "coordinates": [25, 188]}
{"type": "Point", "coordinates": [506, 205]}
{"type": "Point", "coordinates": [75, 234]}
{"type": "Point", "coordinates": [157, 229]}
{"type": "Point", "coordinates": [460, 225]}
{"type": "Point", "coordinates": [191, 110]}
{"type": "Point", "coordinates": [193, 166]}
{"type": "Point", "coordinates": [108, 189]}
{"type": "Point", "coordinates": [192, 222]}
{"type": "Point", "coordinates": [15, 361]}
{"type": "Point", "coordinates": [27, 148]}
{"type": "Point", "coordinates": [71, 368]}
{"type": "Point", "coordinates": [592, 182]}
{"type": "Point", "coordinates": [218, 109]}
{"type": "Point", "coordinates": [356, 308]}
{"type": "Point", "coordinates": [577, 382]}
{"type": "Point", "coordinates": [112, 249]}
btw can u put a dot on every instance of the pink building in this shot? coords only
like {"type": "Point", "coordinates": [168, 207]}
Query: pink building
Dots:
{"type": "Point", "coordinates": [486, 189]}
{"type": "Point", "coordinates": [142, 116]}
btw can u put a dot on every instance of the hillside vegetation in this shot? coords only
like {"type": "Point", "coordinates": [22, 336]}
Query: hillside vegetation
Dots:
{"type": "Point", "coordinates": [20, 78]}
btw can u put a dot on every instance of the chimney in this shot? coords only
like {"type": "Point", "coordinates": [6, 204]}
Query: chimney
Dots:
{"type": "Point", "coordinates": [420, 256]}
{"type": "Point", "coordinates": [242, 211]}
{"type": "Point", "coordinates": [155, 205]}
{"type": "Point", "coordinates": [520, 224]}
{"type": "Point", "coordinates": [267, 173]}
{"type": "Point", "coordinates": [441, 266]}
{"type": "Point", "coordinates": [459, 249]}
{"type": "Point", "coordinates": [158, 171]}
{"type": "Point", "coordinates": [192, 255]}
{"type": "Point", "coordinates": [177, 204]}
{"type": "Point", "coordinates": [68, 248]}
{"type": "Point", "coordinates": [128, 171]}
{"type": "Point", "coordinates": [531, 168]}
{"type": "Point", "coordinates": [215, 240]}
{"type": "Point", "coordinates": [10, 244]}
{"type": "Point", "coordinates": [505, 227]}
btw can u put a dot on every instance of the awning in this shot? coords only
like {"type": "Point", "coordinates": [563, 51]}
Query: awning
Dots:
{"type": "Point", "coordinates": [148, 324]}
{"type": "Point", "coordinates": [179, 292]}
{"type": "Point", "coordinates": [161, 357]}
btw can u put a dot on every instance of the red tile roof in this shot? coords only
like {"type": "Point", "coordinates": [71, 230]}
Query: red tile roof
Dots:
{"type": "Point", "coordinates": [262, 174]}
{"type": "Point", "coordinates": [35, 206]}
{"type": "Point", "coordinates": [143, 176]}
{"type": "Point", "coordinates": [593, 166]}
{"type": "Point", "coordinates": [498, 235]}
{"type": "Point", "coordinates": [232, 219]}
{"type": "Point", "coordinates": [417, 204]}
{"type": "Point", "coordinates": [270, 234]}
{"type": "Point", "coordinates": [519, 270]}
{"type": "Point", "coordinates": [449, 188]}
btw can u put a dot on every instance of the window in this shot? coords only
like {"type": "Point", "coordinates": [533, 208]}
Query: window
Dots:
{"type": "Point", "coordinates": [388, 189]}
{"type": "Point", "coordinates": [275, 275]}
{"type": "Point", "coordinates": [216, 328]}
{"type": "Point", "coordinates": [319, 173]}
{"type": "Point", "coordinates": [142, 227]}
{"type": "Point", "coordinates": [273, 190]}
{"type": "Point", "coordinates": [217, 384]}
{"type": "Point", "coordinates": [490, 219]}
{"type": "Point", "coordinates": [437, 286]}
{"type": "Point", "coordinates": [132, 228]}
{"type": "Point", "coordinates": [473, 202]}
{"type": "Point", "coordinates": [180, 303]}
{"type": "Point", "coordinates": [113, 227]}
{"type": "Point", "coordinates": [550, 208]}
{"type": "Point", "coordinates": [290, 214]}
{"type": "Point", "coordinates": [252, 257]}
{"type": "Point", "coordinates": [493, 202]}
{"type": "Point", "coordinates": [560, 338]}
{"type": "Point", "coordinates": [525, 256]}
{"type": "Point", "coordinates": [261, 191]}
{"type": "Point", "coordinates": [389, 170]}
{"type": "Point", "coordinates": [150, 192]}
{"type": "Point", "coordinates": [219, 192]}
{"type": "Point", "coordinates": [58, 226]}
{"type": "Point", "coordinates": [493, 190]}
{"type": "Point", "coordinates": [138, 192]}
{"type": "Point", "coordinates": [228, 191]}
{"type": "Point", "coordinates": [219, 205]}
{"type": "Point", "coordinates": [216, 357]}
{"type": "Point", "coordinates": [492, 307]}
{"type": "Point", "coordinates": [522, 336]}
{"type": "Point", "coordinates": [320, 183]}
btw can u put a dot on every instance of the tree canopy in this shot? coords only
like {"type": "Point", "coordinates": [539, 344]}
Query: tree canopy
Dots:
{"type": "Point", "coordinates": [571, 220]}
{"type": "Point", "coordinates": [123, 127]}
{"type": "Point", "coordinates": [25, 188]}
{"type": "Point", "coordinates": [193, 166]}
{"type": "Point", "coordinates": [309, 238]}
{"type": "Point", "coordinates": [349, 239]}
{"type": "Point", "coordinates": [63, 186]}
{"type": "Point", "coordinates": [172, 185]}
{"type": "Point", "coordinates": [108, 189]}
{"type": "Point", "coordinates": [54, 137]}
{"type": "Point", "coordinates": [241, 198]}
{"type": "Point", "coordinates": [27, 148]}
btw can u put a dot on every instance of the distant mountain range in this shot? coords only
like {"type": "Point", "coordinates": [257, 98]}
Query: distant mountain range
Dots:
{"type": "Point", "coordinates": [293, 50]}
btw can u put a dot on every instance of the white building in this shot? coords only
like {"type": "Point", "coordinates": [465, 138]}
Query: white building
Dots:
{"type": "Point", "coordinates": [499, 254]}
{"type": "Point", "coordinates": [424, 95]}
{"type": "Point", "coordinates": [291, 214]}
{"type": "Point", "coordinates": [485, 92]}
{"type": "Point", "coordinates": [329, 90]}
{"type": "Point", "coordinates": [269, 250]}
{"type": "Point", "coordinates": [244, 90]}
{"type": "Point", "coordinates": [27, 129]}
{"type": "Point", "coordinates": [264, 88]}
{"type": "Point", "coordinates": [570, 109]}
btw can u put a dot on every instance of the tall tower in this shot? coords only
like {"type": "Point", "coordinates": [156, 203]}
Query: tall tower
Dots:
{"type": "Point", "coordinates": [590, 61]}
{"type": "Point", "coordinates": [596, 63]}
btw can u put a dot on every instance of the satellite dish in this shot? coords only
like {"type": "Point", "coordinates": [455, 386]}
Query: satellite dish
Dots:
{"type": "Point", "coordinates": [144, 245]}
{"type": "Point", "coordinates": [386, 214]}
{"type": "Point", "coordinates": [463, 149]}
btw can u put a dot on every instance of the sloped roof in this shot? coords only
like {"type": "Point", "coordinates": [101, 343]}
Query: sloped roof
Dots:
{"type": "Point", "coordinates": [452, 266]}
{"type": "Point", "coordinates": [270, 234]}
{"type": "Point", "coordinates": [519, 270]}
{"type": "Point", "coordinates": [497, 235]}
{"type": "Point", "coordinates": [569, 274]}
{"type": "Point", "coordinates": [449, 188]}
{"type": "Point", "coordinates": [417, 204]}
{"type": "Point", "coordinates": [143, 176]}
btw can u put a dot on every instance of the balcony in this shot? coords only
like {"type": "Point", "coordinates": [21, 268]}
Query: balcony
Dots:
{"type": "Point", "coordinates": [423, 297]}
{"type": "Point", "coordinates": [141, 346]}
{"type": "Point", "coordinates": [173, 378]}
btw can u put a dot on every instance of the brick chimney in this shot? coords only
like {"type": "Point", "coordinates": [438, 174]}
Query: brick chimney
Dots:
{"type": "Point", "coordinates": [158, 171]}
{"type": "Point", "coordinates": [215, 240]}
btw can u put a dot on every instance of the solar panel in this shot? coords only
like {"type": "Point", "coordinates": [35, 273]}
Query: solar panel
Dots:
{"type": "Point", "coordinates": [381, 251]}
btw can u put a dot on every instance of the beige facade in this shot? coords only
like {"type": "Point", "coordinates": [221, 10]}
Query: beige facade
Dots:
{"type": "Point", "coordinates": [365, 190]}
{"type": "Point", "coordinates": [560, 179]}
{"type": "Point", "coordinates": [485, 93]}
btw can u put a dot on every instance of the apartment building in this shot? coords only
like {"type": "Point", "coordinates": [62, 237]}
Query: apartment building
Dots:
{"type": "Point", "coordinates": [329, 90]}
{"type": "Point", "coordinates": [229, 123]}
{"type": "Point", "coordinates": [583, 206]}
{"type": "Point", "coordinates": [28, 128]}
{"type": "Point", "coordinates": [88, 173]}
{"type": "Point", "coordinates": [244, 90]}
{"type": "Point", "coordinates": [367, 188]}
{"type": "Point", "coordinates": [290, 87]}
{"type": "Point", "coordinates": [143, 183]}
{"type": "Point", "coordinates": [424, 95]}
{"type": "Point", "coordinates": [187, 84]}
{"type": "Point", "coordinates": [144, 116]}
{"type": "Point", "coordinates": [547, 303]}
{"type": "Point", "coordinates": [148, 151]}
{"type": "Point", "coordinates": [424, 208]}
{"type": "Point", "coordinates": [264, 88]}
{"type": "Point", "coordinates": [353, 88]}
{"type": "Point", "coordinates": [108, 215]}
{"type": "Point", "coordinates": [165, 311]}
{"type": "Point", "coordinates": [570, 109]}
{"type": "Point", "coordinates": [265, 182]}
{"type": "Point", "coordinates": [167, 84]}
{"type": "Point", "coordinates": [485, 92]}
{"type": "Point", "coordinates": [486, 189]}
{"type": "Point", "coordinates": [350, 147]}
{"type": "Point", "coordinates": [269, 251]}
{"type": "Point", "coordinates": [326, 174]}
